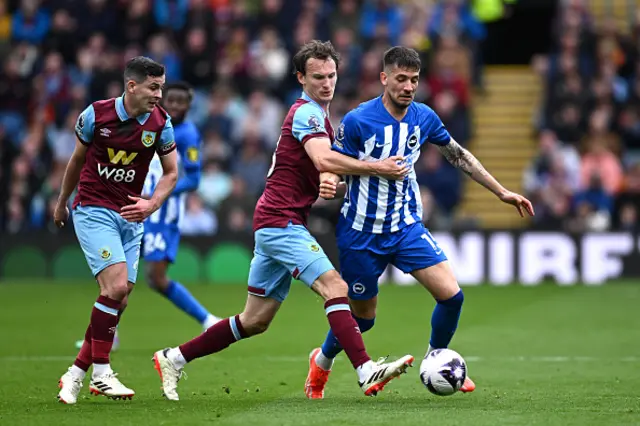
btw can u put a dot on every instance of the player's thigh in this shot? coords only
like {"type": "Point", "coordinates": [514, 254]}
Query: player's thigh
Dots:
{"type": "Point", "coordinates": [98, 233]}
{"type": "Point", "coordinates": [268, 278]}
{"type": "Point", "coordinates": [132, 238]}
{"type": "Point", "coordinates": [361, 270]}
{"type": "Point", "coordinates": [418, 253]}
{"type": "Point", "coordinates": [295, 249]}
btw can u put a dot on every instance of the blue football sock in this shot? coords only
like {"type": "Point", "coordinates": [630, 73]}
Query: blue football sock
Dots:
{"type": "Point", "coordinates": [183, 299]}
{"type": "Point", "coordinates": [444, 320]}
{"type": "Point", "coordinates": [331, 348]}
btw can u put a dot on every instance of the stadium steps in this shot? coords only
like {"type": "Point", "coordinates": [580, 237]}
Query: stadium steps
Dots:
{"type": "Point", "coordinates": [622, 11]}
{"type": "Point", "coordinates": [503, 141]}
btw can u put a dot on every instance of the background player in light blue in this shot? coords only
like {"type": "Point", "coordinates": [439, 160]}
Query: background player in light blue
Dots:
{"type": "Point", "coordinates": [381, 220]}
{"type": "Point", "coordinates": [161, 229]}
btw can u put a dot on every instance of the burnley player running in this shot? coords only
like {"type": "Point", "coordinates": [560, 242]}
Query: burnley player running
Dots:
{"type": "Point", "coordinates": [161, 229]}
{"type": "Point", "coordinates": [381, 220]}
{"type": "Point", "coordinates": [284, 248]}
{"type": "Point", "coordinates": [117, 138]}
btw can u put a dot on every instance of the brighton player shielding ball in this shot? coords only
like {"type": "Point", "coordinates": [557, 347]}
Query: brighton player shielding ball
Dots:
{"type": "Point", "coordinates": [284, 248]}
{"type": "Point", "coordinates": [117, 138]}
{"type": "Point", "coordinates": [381, 219]}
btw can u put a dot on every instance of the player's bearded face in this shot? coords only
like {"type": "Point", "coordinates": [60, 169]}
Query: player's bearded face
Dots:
{"type": "Point", "coordinates": [401, 85]}
{"type": "Point", "coordinates": [146, 94]}
{"type": "Point", "coordinates": [320, 79]}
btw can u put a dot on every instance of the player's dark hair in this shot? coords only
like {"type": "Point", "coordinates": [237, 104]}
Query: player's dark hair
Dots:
{"type": "Point", "coordinates": [315, 49]}
{"type": "Point", "coordinates": [402, 57]}
{"type": "Point", "coordinates": [141, 67]}
{"type": "Point", "coordinates": [180, 85]}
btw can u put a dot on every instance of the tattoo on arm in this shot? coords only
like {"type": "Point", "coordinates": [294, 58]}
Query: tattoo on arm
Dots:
{"type": "Point", "coordinates": [462, 159]}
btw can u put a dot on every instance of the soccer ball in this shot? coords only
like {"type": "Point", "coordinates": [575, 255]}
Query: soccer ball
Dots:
{"type": "Point", "coordinates": [443, 372]}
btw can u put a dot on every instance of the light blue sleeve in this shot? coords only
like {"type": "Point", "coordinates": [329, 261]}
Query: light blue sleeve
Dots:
{"type": "Point", "coordinates": [86, 124]}
{"type": "Point", "coordinates": [167, 141]}
{"type": "Point", "coordinates": [308, 122]}
{"type": "Point", "coordinates": [347, 140]}
{"type": "Point", "coordinates": [435, 131]}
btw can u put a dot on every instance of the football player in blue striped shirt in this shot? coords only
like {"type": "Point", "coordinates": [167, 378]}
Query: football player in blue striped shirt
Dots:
{"type": "Point", "coordinates": [381, 219]}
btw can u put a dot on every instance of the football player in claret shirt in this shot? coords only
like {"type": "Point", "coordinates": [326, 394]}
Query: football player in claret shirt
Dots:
{"type": "Point", "coordinates": [284, 248]}
{"type": "Point", "coordinates": [117, 138]}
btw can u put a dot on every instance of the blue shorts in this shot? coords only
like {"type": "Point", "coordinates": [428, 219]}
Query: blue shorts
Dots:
{"type": "Point", "coordinates": [160, 242]}
{"type": "Point", "coordinates": [409, 249]}
{"type": "Point", "coordinates": [106, 239]}
{"type": "Point", "coordinates": [282, 253]}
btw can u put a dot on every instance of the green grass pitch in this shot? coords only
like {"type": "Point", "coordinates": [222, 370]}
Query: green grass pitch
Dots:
{"type": "Point", "coordinates": [544, 355]}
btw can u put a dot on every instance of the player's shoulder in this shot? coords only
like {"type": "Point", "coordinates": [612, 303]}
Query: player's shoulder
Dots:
{"type": "Point", "coordinates": [425, 111]}
{"type": "Point", "coordinates": [187, 133]}
{"type": "Point", "coordinates": [303, 109]}
{"type": "Point", "coordinates": [162, 112]}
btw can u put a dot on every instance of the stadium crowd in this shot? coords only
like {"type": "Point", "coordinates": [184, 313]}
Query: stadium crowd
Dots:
{"type": "Point", "coordinates": [586, 174]}
{"type": "Point", "coordinates": [60, 55]}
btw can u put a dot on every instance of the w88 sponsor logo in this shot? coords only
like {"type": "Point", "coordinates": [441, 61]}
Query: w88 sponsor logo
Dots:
{"type": "Point", "coordinates": [116, 175]}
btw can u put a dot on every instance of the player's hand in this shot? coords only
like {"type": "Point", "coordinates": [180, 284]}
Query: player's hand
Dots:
{"type": "Point", "coordinates": [61, 215]}
{"type": "Point", "coordinates": [393, 168]}
{"type": "Point", "coordinates": [139, 211]}
{"type": "Point", "coordinates": [520, 203]}
{"type": "Point", "coordinates": [328, 189]}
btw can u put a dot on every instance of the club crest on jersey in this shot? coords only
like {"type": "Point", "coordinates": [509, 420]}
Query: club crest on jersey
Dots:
{"type": "Point", "coordinates": [413, 141]}
{"type": "Point", "coordinates": [105, 253]}
{"type": "Point", "coordinates": [148, 138]}
{"type": "Point", "coordinates": [314, 123]}
{"type": "Point", "coordinates": [314, 248]}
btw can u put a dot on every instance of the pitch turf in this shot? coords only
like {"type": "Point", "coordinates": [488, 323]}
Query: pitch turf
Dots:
{"type": "Point", "coordinates": [542, 355]}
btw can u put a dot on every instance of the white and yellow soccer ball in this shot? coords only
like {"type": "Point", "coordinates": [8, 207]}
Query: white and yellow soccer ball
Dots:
{"type": "Point", "coordinates": [443, 372]}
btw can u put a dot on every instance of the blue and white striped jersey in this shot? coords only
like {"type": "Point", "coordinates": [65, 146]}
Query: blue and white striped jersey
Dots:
{"type": "Point", "coordinates": [170, 215]}
{"type": "Point", "coordinates": [374, 204]}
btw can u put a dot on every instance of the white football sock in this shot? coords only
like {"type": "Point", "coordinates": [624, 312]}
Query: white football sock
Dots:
{"type": "Point", "coordinates": [323, 361]}
{"type": "Point", "coordinates": [364, 371]}
{"type": "Point", "coordinates": [100, 370]}
{"type": "Point", "coordinates": [429, 351]}
{"type": "Point", "coordinates": [175, 356]}
{"type": "Point", "coordinates": [77, 372]}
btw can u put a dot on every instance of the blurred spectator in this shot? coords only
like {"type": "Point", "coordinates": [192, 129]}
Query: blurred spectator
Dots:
{"type": "Point", "coordinates": [197, 219]}
{"type": "Point", "coordinates": [60, 55]}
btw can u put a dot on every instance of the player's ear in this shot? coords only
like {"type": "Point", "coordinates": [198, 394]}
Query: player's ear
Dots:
{"type": "Point", "coordinates": [130, 86]}
{"type": "Point", "coordinates": [300, 77]}
{"type": "Point", "coordinates": [383, 78]}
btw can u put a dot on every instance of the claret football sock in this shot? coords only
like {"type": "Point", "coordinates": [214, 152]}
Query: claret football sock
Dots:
{"type": "Point", "coordinates": [331, 348]}
{"type": "Point", "coordinates": [444, 320]}
{"type": "Point", "coordinates": [214, 339]}
{"type": "Point", "coordinates": [104, 319]}
{"type": "Point", "coordinates": [346, 330]}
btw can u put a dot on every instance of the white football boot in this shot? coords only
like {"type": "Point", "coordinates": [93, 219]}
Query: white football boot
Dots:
{"type": "Point", "coordinates": [109, 386]}
{"type": "Point", "coordinates": [383, 373]}
{"type": "Point", "coordinates": [70, 386]}
{"type": "Point", "coordinates": [169, 374]}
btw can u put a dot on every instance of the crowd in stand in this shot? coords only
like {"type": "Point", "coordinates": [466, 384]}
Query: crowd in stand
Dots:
{"type": "Point", "coordinates": [58, 56]}
{"type": "Point", "coordinates": [586, 174]}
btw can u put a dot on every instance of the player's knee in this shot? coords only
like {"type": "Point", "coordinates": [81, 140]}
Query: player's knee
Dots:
{"type": "Point", "coordinates": [157, 281]}
{"type": "Point", "coordinates": [255, 325]}
{"type": "Point", "coordinates": [455, 302]}
{"type": "Point", "coordinates": [117, 290]}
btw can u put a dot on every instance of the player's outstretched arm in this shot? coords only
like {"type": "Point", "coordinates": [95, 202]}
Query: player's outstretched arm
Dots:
{"type": "Point", "coordinates": [465, 161]}
{"type": "Point", "coordinates": [143, 208]}
{"type": "Point", "coordinates": [326, 160]}
{"type": "Point", "coordinates": [69, 183]}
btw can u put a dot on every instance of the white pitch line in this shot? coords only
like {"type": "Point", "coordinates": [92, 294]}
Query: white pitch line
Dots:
{"type": "Point", "coordinates": [293, 359]}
